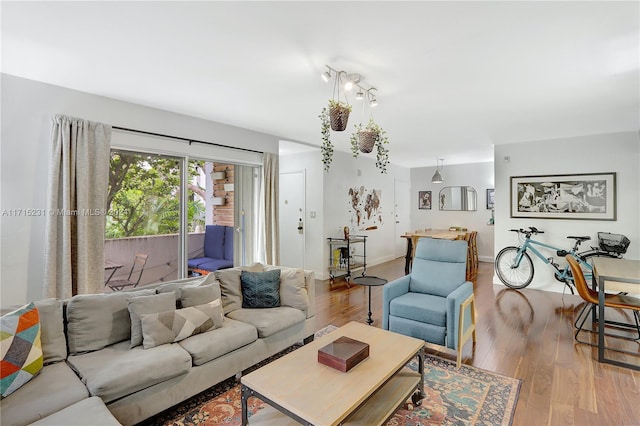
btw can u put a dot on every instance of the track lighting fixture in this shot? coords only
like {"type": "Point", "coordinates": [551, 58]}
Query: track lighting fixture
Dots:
{"type": "Point", "coordinates": [348, 82]}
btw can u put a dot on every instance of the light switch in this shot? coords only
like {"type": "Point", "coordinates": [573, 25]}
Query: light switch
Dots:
{"type": "Point", "coordinates": [312, 214]}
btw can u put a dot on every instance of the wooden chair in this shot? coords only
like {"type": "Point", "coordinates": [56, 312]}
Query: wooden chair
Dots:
{"type": "Point", "coordinates": [139, 261]}
{"type": "Point", "coordinates": [472, 255]}
{"type": "Point", "coordinates": [590, 296]}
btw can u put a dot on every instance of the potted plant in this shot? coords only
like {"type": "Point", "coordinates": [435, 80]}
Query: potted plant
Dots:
{"type": "Point", "coordinates": [364, 139]}
{"type": "Point", "coordinates": [339, 113]}
{"type": "Point", "coordinates": [327, 147]}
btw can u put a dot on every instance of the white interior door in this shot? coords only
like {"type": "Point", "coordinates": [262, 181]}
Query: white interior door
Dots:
{"type": "Point", "coordinates": [292, 196]}
{"type": "Point", "coordinates": [401, 213]}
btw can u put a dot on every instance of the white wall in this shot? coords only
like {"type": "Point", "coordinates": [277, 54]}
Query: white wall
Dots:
{"type": "Point", "coordinates": [27, 108]}
{"type": "Point", "coordinates": [616, 152]}
{"type": "Point", "coordinates": [477, 175]}
{"type": "Point", "coordinates": [344, 175]}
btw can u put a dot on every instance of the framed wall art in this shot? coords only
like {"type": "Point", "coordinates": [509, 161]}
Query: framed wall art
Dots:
{"type": "Point", "coordinates": [424, 200]}
{"type": "Point", "coordinates": [490, 198]}
{"type": "Point", "coordinates": [578, 196]}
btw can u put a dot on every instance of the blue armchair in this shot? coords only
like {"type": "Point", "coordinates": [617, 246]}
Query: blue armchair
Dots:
{"type": "Point", "coordinates": [434, 300]}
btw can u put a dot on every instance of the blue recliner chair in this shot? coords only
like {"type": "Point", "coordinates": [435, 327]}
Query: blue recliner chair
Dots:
{"type": "Point", "coordinates": [434, 300]}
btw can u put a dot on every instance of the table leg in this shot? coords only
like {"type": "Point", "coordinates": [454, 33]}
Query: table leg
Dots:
{"type": "Point", "coordinates": [601, 320]}
{"type": "Point", "coordinates": [407, 262]}
{"type": "Point", "coordinates": [245, 393]}
{"type": "Point", "coordinates": [419, 394]}
{"type": "Point", "coordinates": [369, 320]}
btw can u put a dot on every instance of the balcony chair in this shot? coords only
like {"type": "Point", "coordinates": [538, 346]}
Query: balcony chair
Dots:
{"type": "Point", "coordinates": [139, 263]}
{"type": "Point", "coordinates": [434, 303]}
{"type": "Point", "coordinates": [590, 296]}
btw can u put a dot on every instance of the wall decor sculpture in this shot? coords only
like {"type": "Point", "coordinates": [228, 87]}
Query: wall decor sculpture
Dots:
{"type": "Point", "coordinates": [365, 208]}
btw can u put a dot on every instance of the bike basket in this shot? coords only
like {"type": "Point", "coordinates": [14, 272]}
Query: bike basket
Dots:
{"type": "Point", "coordinates": [615, 243]}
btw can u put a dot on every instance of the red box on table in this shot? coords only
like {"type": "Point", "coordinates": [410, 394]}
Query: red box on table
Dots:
{"type": "Point", "coordinates": [343, 353]}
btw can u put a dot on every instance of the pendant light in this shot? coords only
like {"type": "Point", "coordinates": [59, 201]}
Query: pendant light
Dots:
{"type": "Point", "coordinates": [437, 177]}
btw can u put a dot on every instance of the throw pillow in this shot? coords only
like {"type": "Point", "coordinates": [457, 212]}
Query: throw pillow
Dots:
{"type": "Point", "coordinates": [54, 342]}
{"type": "Point", "coordinates": [194, 296]}
{"type": "Point", "coordinates": [260, 289]}
{"type": "Point", "coordinates": [147, 305]}
{"type": "Point", "coordinates": [177, 285]}
{"type": "Point", "coordinates": [231, 289]}
{"type": "Point", "coordinates": [21, 348]}
{"type": "Point", "coordinates": [292, 289]}
{"type": "Point", "coordinates": [173, 326]}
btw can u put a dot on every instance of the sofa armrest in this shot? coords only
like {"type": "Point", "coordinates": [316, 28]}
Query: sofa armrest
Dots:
{"type": "Point", "coordinates": [454, 299]}
{"type": "Point", "coordinates": [310, 284]}
{"type": "Point", "coordinates": [390, 291]}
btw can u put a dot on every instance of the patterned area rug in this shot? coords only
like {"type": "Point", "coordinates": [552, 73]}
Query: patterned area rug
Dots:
{"type": "Point", "coordinates": [465, 396]}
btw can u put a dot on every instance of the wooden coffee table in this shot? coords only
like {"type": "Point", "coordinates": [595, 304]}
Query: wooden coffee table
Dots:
{"type": "Point", "coordinates": [308, 392]}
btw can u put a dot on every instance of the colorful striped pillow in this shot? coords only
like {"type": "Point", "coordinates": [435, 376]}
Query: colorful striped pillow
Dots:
{"type": "Point", "coordinates": [21, 348]}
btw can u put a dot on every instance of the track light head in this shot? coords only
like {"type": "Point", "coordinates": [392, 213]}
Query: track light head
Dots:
{"type": "Point", "coordinates": [360, 95]}
{"type": "Point", "coordinates": [326, 76]}
{"type": "Point", "coordinates": [373, 102]}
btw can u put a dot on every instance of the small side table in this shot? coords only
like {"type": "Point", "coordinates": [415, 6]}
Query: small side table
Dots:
{"type": "Point", "coordinates": [369, 282]}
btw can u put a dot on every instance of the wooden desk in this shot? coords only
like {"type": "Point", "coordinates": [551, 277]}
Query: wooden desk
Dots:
{"type": "Point", "coordinates": [626, 274]}
{"type": "Point", "coordinates": [412, 241]}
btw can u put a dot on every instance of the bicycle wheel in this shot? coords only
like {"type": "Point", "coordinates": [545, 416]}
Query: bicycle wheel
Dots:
{"type": "Point", "coordinates": [514, 277]}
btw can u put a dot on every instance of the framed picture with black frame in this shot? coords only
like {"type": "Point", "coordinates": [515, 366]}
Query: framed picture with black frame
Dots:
{"type": "Point", "coordinates": [588, 196]}
{"type": "Point", "coordinates": [424, 200]}
{"type": "Point", "coordinates": [490, 199]}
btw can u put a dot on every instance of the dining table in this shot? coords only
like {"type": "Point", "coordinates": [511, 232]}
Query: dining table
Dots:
{"type": "Point", "coordinates": [618, 275]}
{"type": "Point", "coordinates": [413, 237]}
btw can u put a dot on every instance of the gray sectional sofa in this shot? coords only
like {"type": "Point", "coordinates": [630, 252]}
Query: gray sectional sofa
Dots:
{"type": "Point", "coordinates": [90, 363]}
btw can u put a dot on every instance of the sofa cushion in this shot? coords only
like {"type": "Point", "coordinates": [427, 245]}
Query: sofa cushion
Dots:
{"type": "Point", "coordinates": [215, 264]}
{"type": "Point", "coordinates": [220, 341]}
{"type": "Point", "coordinates": [173, 326]}
{"type": "Point", "coordinates": [147, 305]}
{"type": "Point", "coordinates": [98, 320]}
{"type": "Point", "coordinates": [54, 341]}
{"type": "Point", "coordinates": [177, 285]}
{"type": "Point", "coordinates": [425, 308]}
{"type": "Point", "coordinates": [269, 321]}
{"type": "Point", "coordinates": [21, 348]}
{"type": "Point", "coordinates": [260, 289]}
{"type": "Point", "coordinates": [117, 370]}
{"type": "Point", "coordinates": [293, 291]}
{"type": "Point", "coordinates": [214, 241]}
{"type": "Point", "coordinates": [89, 411]}
{"type": "Point", "coordinates": [55, 388]}
{"type": "Point", "coordinates": [196, 262]}
{"type": "Point", "coordinates": [194, 296]}
{"type": "Point", "coordinates": [230, 285]}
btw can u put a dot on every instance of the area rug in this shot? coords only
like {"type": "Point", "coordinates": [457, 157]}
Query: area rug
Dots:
{"type": "Point", "coordinates": [464, 396]}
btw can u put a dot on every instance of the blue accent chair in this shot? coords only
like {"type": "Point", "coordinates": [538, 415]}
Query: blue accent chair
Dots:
{"type": "Point", "coordinates": [218, 249]}
{"type": "Point", "coordinates": [432, 302]}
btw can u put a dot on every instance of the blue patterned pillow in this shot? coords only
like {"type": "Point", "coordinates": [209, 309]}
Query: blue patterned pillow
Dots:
{"type": "Point", "coordinates": [260, 289]}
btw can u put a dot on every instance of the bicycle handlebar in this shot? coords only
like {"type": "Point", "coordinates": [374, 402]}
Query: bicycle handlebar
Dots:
{"type": "Point", "coordinates": [532, 230]}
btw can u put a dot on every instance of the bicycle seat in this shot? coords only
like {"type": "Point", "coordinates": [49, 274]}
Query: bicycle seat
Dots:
{"type": "Point", "coordinates": [587, 238]}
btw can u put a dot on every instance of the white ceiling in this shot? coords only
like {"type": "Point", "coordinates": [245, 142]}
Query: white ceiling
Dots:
{"type": "Point", "coordinates": [453, 78]}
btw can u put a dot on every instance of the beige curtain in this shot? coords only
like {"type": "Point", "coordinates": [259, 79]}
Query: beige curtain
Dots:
{"type": "Point", "coordinates": [270, 184]}
{"type": "Point", "coordinates": [77, 193]}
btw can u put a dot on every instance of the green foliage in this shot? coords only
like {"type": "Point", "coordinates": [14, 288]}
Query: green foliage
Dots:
{"type": "Point", "coordinates": [382, 153]}
{"type": "Point", "coordinates": [339, 104]}
{"type": "Point", "coordinates": [144, 195]}
{"type": "Point", "coordinates": [327, 146]}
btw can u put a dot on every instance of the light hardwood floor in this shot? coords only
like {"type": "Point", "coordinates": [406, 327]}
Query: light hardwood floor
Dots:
{"type": "Point", "coordinates": [527, 334]}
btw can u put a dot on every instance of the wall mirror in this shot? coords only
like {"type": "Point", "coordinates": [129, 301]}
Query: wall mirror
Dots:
{"type": "Point", "coordinates": [458, 198]}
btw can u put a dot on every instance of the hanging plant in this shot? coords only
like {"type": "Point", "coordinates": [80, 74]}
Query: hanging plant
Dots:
{"type": "Point", "coordinates": [339, 113]}
{"type": "Point", "coordinates": [364, 139]}
{"type": "Point", "coordinates": [327, 146]}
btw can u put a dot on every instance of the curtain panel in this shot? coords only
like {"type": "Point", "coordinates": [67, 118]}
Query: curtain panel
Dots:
{"type": "Point", "coordinates": [270, 183]}
{"type": "Point", "coordinates": [76, 200]}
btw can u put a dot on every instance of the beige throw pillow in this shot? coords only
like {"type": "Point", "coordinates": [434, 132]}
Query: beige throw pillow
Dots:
{"type": "Point", "coordinates": [194, 296]}
{"type": "Point", "coordinates": [173, 326]}
{"type": "Point", "coordinates": [231, 287]}
{"type": "Point", "coordinates": [147, 305]}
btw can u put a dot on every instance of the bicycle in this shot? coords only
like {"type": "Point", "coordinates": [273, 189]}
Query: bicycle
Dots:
{"type": "Point", "coordinates": [514, 266]}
